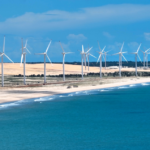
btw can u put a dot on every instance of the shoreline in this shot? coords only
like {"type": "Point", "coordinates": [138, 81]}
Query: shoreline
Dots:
{"type": "Point", "coordinates": [10, 95]}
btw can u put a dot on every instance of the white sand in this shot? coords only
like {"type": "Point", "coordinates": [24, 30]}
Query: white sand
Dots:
{"type": "Point", "coordinates": [14, 94]}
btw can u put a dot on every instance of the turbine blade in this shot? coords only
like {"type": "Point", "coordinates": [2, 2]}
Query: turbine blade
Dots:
{"type": "Point", "coordinates": [92, 55]}
{"type": "Point", "coordinates": [122, 47]}
{"type": "Point", "coordinates": [99, 46]}
{"type": "Point", "coordinates": [8, 58]}
{"type": "Point", "coordinates": [68, 52]}
{"type": "Point", "coordinates": [28, 50]}
{"type": "Point", "coordinates": [139, 58]}
{"type": "Point", "coordinates": [61, 46]}
{"type": "Point", "coordinates": [4, 45]}
{"type": "Point", "coordinates": [22, 44]}
{"type": "Point", "coordinates": [124, 58]}
{"type": "Point", "coordinates": [98, 58]}
{"type": "Point", "coordinates": [89, 49]}
{"type": "Point", "coordinates": [103, 57]}
{"type": "Point", "coordinates": [1, 54]}
{"type": "Point", "coordinates": [21, 59]}
{"type": "Point", "coordinates": [138, 48]}
{"type": "Point", "coordinates": [108, 51]}
{"type": "Point", "coordinates": [82, 49]}
{"type": "Point", "coordinates": [26, 43]}
{"type": "Point", "coordinates": [48, 46]}
{"type": "Point", "coordinates": [49, 59]}
{"type": "Point", "coordinates": [142, 51]}
{"type": "Point", "coordinates": [147, 50]}
{"type": "Point", "coordinates": [115, 54]}
{"type": "Point", "coordinates": [103, 48]}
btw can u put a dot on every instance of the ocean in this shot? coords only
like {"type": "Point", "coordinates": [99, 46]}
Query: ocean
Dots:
{"type": "Point", "coordinates": [104, 119]}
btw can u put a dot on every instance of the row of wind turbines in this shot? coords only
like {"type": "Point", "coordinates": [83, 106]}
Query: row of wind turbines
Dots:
{"type": "Point", "coordinates": [84, 56]}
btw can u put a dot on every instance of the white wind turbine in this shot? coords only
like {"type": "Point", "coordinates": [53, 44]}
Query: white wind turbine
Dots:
{"type": "Point", "coordinates": [145, 57]}
{"type": "Point", "coordinates": [82, 57]}
{"type": "Point", "coordinates": [23, 57]}
{"type": "Point", "coordinates": [100, 58]}
{"type": "Point", "coordinates": [64, 53]}
{"type": "Point", "coordinates": [1, 55]}
{"type": "Point", "coordinates": [45, 55]}
{"type": "Point", "coordinates": [136, 54]}
{"type": "Point", "coordinates": [105, 54]}
{"type": "Point", "coordinates": [120, 58]}
{"type": "Point", "coordinates": [86, 54]}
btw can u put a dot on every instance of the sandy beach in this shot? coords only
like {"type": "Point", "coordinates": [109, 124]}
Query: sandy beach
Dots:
{"type": "Point", "coordinates": [35, 87]}
{"type": "Point", "coordinates": [15, 94]}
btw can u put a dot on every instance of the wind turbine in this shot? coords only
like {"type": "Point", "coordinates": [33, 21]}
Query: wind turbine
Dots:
{"type": "Point", "coordinates": [120, 58]}
{"type": "Point", "coordinates": [1, 55]}
{"type": "Point", "coordinates": [23, 57]}
{"type": "Point", "coordinates": [88, 54]}
{"type": "Point", "coordinates": [105, 54]}
{"type": "Point", "coordinates": [64, 53]}
{"type": "Point", "coordinates": [82, 57]}
{"type": "Point", "coordinates": [136, 54]}
{"type": "Point", "coordinates": [100, 58]}
{"type": "Point", "coordinates": [45, 55]}
{"type": "Point", "coordinates": [145, 53]}
{"type": "Point", "coordinates": [85, 56]}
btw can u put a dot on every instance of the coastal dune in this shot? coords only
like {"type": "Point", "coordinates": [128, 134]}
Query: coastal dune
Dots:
{"type": "Point", "coordinates": [55, 69]}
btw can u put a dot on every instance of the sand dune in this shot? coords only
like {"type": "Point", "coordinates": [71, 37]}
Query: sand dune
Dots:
{"type": "Point", "coordinates": [55, 69]}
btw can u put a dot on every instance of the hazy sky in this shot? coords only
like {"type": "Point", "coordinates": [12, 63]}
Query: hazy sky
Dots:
{"type": "Point", "coordinates": [74, 22]}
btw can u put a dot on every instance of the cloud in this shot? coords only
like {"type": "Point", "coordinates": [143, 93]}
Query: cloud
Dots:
{"type": "Point", "coordinates": [108, 35]}
{"type": "Point", "coordinates": [86, 17]}
{"type": "Point", "coordinates": [77, 38]}
{"type": "Point", "coordinates": [147, 36]}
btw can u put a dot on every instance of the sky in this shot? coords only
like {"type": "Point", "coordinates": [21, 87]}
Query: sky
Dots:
{"type": "Point", "coordinates": [74, 23]}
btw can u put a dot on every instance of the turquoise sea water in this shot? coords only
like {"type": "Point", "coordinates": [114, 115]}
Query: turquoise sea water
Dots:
{"type": "Point", "coordinates": [108, 119]}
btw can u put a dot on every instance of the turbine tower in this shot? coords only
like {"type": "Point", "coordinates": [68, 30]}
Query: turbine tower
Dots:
{"type": "Point", "coordinates": [23, 57]}
{"type": "Point", "coordinates": [1, 55]}
{"type": "Point", "coordinates": [82, 57]}
{"type": "Point", "coordinates": [64, 53]}
{"type": "Point", "coordinates": [136, 54]}
{"type": "Point", "coordinates": [145, 57]}
{"type": "Point", "coordinates": [100, 58]}
{"type": "Point", "coordinates": [45, 55]}
{"type": "Point", "coordinates": [120, 58]}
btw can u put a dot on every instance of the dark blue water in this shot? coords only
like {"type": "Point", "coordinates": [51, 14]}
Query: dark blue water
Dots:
{"type": "Point", "coordinates": [110, 119]}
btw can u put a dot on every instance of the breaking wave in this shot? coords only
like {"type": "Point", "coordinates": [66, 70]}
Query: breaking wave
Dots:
{"type": "Point", "coordinates": [145, 84]}
{"type": "Point", "coordinates": [122, 87]}
{"type": "Point", "coordinates": [43, 99]}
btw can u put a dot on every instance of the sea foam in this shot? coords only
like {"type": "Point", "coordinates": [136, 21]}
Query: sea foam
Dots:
{"type": "Point", "coordinates": [8, 105]}
{"type": "Point", "coordinates": [145, 84]}
{"type": "Point", "coordinates": [132, 85]}
{"type": "Point", "coordinates": [43, 99]}
{"type": "Point", "coordinates": [122, 87]}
